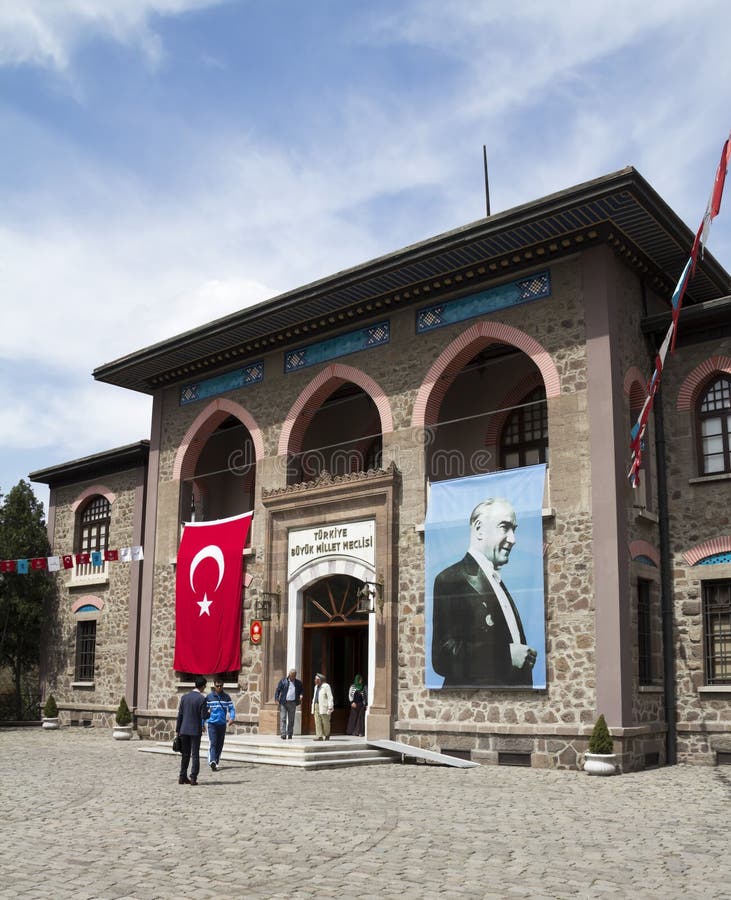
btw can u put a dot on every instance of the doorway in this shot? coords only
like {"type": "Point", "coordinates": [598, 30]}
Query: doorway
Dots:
{"type": "Point", "coordinates": [335, 642]}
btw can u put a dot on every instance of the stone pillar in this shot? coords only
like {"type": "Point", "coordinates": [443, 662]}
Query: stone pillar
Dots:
{"type": "Point", "coordinates": [608, 440]}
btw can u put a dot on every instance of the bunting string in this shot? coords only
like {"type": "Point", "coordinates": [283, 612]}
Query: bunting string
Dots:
{"type": "Point", "coordinates": [96, 558]}
{"type": "Point", "coordinates": [699, 244]}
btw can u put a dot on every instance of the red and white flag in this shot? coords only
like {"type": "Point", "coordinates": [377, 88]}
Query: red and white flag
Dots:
{"type": "Point", "coordinates": [208, 596]}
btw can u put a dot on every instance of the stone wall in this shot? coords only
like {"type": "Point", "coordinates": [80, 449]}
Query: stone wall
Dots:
{"type": "Point", "coordinates": [97, 702]}
{"type": "Point", "coordinates": [700, 510]}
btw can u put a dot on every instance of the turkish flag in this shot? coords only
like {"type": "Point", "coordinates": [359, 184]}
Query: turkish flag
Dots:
{"type": "Point", "coordinates": [208, 596]}
{"type": "Point", "coordinates": [68, 561]}
{"type": "Point", "coordinates": [40, 562]}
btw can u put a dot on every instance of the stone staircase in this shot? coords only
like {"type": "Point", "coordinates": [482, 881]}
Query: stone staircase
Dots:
{"type": "Point", "coordinates": [302, 752]}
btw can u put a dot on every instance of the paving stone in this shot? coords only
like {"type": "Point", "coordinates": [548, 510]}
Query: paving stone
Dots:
{"type": "Point", "coordinates": [83, 816]}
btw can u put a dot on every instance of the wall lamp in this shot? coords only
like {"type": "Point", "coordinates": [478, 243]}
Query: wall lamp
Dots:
{"type": "Point", "coordinates": [268, 601]}
{"type": "Point", "coordinates": [370, 597]}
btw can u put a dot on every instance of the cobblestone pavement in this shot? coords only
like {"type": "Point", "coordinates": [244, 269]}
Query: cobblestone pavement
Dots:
{"type": "Point", "coordinates": [84, 816]}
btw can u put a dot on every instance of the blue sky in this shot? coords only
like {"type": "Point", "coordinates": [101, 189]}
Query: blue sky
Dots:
{"type": "Point", "coordinates": [172, 161]}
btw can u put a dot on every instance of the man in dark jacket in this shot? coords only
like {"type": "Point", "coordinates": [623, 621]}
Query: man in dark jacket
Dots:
{"type": "Point", "coordinates": [477, 636]}
{"type": "Point", "coordinates": [192, 711]}
{"type": "Point", "coordinates": [289, 696]}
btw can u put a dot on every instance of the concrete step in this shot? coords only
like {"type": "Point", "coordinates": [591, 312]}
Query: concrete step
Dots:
{"type": "Point", "coordinates": [300, 752]}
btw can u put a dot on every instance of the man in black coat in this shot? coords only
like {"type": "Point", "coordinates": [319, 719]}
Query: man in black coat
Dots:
{"type": "Point", "coordinates": [192, 710]}
{"type": "Point", "coordinates": [477, 636]}
{"type": "Point", "coordinates": [289, 696]}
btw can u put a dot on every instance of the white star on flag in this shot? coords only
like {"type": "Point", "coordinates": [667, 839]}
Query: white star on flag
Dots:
{"type": "Point", "coordinates": [204, 604]}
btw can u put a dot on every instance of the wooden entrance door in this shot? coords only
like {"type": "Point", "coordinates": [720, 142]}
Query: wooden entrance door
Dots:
{"type": "Point", "coordinates": [335, 642]}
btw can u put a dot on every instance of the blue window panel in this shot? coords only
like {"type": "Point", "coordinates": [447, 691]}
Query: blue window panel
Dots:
{"type": "Point", "coordinates": [524, 290]}
{"type": "Point", "coordinates": [715, 559]}
{"type": "Point", "coordinates": [219, 384]}
{"type": "Point", "coordinates": [342, 345]}
{"type": "Point", "coordinates": [645, 560]}
{"type": "Point", "coordinates": [88, 607]}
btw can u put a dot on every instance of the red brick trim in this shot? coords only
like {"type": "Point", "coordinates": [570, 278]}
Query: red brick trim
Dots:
{"type": "Point", "coordinates": [203, 427]}
{"type": "Point", "coordinates": [453, 359]}
{"type": "Point", "coordinates": [94, 491]}
{"type": "Point", "coordinates": [642, 548]}
{"type": "Point", "coordinates": [634, 388]}
{"type": "Point", "coordinates": [693, 383]}
{"type": "Point", "coordinates": [87, 601]}
{"type": "Point", "coordinates": [708, 548]}
{"type": "Point", "coordinates": [322, 385]}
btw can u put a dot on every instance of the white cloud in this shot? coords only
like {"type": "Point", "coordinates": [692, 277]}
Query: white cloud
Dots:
{"type": "Point", "coordinates": [46, 34]}
{"type": "Point", "coordinates": [98, 258]}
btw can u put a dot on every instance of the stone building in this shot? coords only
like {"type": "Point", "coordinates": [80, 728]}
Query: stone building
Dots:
{"type": "Point", "coordinates": [524, 338]}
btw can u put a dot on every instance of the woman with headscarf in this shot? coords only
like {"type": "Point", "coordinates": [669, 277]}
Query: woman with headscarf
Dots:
{"type": "Point", "coordinates": [358, 702]}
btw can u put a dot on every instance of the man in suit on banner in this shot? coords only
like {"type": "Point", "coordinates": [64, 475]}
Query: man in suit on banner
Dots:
{"type": "Point", "coordinates": [477, 637]}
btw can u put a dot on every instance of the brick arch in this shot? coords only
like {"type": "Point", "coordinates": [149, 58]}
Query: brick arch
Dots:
{"type": "Point", "coordinates": [693, 383]}
{"type": "Point", "coordinates": [513, 397]}
{"type": "Point", "coordinates": [88, 600]}
{"type": "Point", "coordinates": [317, 391]}
{"type": "Point", "coordinates": [96, 490]}
{"type": "Point", "coordinates": [642, 548]}
{"type": "Point", "coordinates": [206, 422]}
{"type": "Point", "coordinates": [720, 544]}
{"type": "Point", "coordinates": [634, 388]}
{"type": "Point", "coordinates": [453, 359]}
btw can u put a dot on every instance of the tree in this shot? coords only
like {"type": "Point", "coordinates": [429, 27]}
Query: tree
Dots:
{"type": "Point", "coordinates": [24, 599]}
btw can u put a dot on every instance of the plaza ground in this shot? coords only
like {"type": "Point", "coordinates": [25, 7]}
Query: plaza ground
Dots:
{"type": "Point", "coordinates": [84, 816]}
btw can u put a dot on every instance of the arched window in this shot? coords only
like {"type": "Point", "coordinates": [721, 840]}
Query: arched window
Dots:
{"type": "Point", "coordinates": [93, 526]}
{"type": "Point", "coordinates": [524, 439]}
{"type": "Point", "coordinates": [714, 427]}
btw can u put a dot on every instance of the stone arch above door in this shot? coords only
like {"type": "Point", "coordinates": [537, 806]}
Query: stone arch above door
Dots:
{"type": "Point", "coordinates": [324, 567]}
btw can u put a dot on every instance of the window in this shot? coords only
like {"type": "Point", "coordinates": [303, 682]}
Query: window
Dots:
{"type": "Point", "coordinates": [525, 435]}
{"type": "Point", "coordinates": [714, 426]}
{"type": "Point", "coordinates": [644, 631]}
{"type": "Point", "coordinates": [93, 533]}
{"type": "Point", "coordinates": [717, 631]}
{"type": "Point", "coordinates": [85, 649]}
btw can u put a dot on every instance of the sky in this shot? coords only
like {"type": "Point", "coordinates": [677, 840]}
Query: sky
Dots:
{"type": "Point", "coordinates": [168, 162]}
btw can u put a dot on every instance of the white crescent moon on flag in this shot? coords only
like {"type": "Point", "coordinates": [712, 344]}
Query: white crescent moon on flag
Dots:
{"type": "Point", "coordinates": [209, 552]}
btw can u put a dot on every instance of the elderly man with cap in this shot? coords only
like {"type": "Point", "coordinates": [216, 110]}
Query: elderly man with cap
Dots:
{"type": "Point", "coordinates": [322, 707]}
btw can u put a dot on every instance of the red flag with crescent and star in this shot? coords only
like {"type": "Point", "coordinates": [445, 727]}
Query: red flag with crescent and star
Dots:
{"type": "Point", "coordinates": [208, 596]}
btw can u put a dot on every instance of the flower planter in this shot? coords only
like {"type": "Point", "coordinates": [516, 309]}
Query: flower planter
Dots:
{"type": "Point", "coordinates": [122, 733]}
{"type": "Point", "coordinates": [600, 763]}
{"type": "Point", "coordinates": [50, 723]}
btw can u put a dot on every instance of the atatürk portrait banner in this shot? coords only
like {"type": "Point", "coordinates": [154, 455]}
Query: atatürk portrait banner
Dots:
{"type": "Point", "coordinates": [485, 608]}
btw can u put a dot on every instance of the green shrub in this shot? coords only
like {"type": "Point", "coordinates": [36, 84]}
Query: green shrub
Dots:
{"type": "Point", "coordinates": [50, 709]}
{"type": "Point", "coordinates": [601, 740]}
{"type": "Point", "coordinates": [123, 716]}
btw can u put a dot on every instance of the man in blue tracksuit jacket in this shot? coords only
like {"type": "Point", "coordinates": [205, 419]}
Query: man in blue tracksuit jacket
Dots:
{"type": "Point", "coordinates": [221, 711]}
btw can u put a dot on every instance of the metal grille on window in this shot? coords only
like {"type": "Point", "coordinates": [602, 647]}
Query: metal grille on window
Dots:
{"type": "Point", "coordinates": [525, 434]}
{"type": "Point", "coordinates": [714, 414]}
{"type": "Point", "coordinates": [644, 632]}
{"type": "Point", "coordinates": [85, 650]}
{"type": "Point", "coordinates": [717, 621]}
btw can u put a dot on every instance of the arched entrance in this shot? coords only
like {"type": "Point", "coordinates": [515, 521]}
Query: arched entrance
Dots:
{"type": "Point", "coordinates": [334, 642]}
